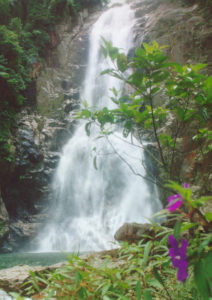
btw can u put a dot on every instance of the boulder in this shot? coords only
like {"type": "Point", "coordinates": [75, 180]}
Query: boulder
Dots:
{"type": "Point", "coordinates": [11, 279]}
{"type": "Point", "coordinates": [132, 232]}
{"type": "Point", "coordinates": [5, 296]}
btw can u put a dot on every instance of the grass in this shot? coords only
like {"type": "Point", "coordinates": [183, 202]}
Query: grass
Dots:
{"type": "Point", "coordinates": [136, 271]}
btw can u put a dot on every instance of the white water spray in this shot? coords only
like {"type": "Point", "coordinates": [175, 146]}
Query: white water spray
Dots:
{"type": "Point", "coordinates": [92, 204]}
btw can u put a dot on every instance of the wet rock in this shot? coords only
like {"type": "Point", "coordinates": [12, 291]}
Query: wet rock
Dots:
{"type": "Point", "coordinates": [11, 279]}
{"type": "Point", "coordinates": [59, 139]}
{"type": "Point", "coordinates": [38, 142]}
{"type": "Point", "coordinates": [132, 232]}
{"type": "Point", "coordinates": [176, 25]}
{"type": "Point", "coordinates": [70, 105]}
{"type": "Point", "coordinates": [22, 232]}
{"type": "Point", "coordinates": [6, 247]}
{"type": "Point", "coordinates": [51, 159]}
{"type": "Point", "coordinates": [66, 66]}
{"type": "Point", "coordinates": [4, 221]}
{"type": "Point", "coordinates": [5, 296]}
{"type": "Point", "coordinates": [66, 84]}
{"type": "Point", "coordinates": [72, 94]}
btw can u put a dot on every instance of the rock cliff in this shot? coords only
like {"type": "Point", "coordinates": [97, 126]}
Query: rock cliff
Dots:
{"type": "Point", "coordinates": [43, 128]}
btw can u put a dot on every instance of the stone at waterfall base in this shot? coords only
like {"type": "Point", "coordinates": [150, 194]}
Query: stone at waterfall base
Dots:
{"type": "Point", "coordinates": [11, 279]}
{"type": "Point", "coordinates": [5, 296]}
{"type": "Point", "coordinates": [132, 232]}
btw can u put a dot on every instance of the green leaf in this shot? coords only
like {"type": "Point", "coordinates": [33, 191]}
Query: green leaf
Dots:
{"type": "Point", "coordinates": [78, 278]}
{"type": "Point", "coordinates": [157, 275]}
{"type": "Point", "coordinates": [147, 295]}
{"type": "Point", "coordinates": [186, 226]}
{"type": "Point", "coordinates": [138, 290]}
{"type": "Point", "coordinates": [95, 162]}
{"type": "Point", "coordinates": [184, 192]}
{"type": "Point", "coordinates": [166, 140]}
{"type": "Point", "coordinates": [114, 91]}
{"type": "Point", "coordinates": [113, 52]}
{"type": "Point", "coordinates": [85, 113]}
{"type": "Point", "coordinates": [148, 48]}
{"type": "Point", "coordinates": [104, 51]}
{"type": "Point", "coordinates": [107, 71]}
{"type": "Point", "coordinates": [198, 67]}
{"type": "Point", "coordinates": [106, 298]}
{"type": "Point", "coordinates": [202, 200]}
{"type": "Point", "coordinates": [200, 280]}
{"type": "Point", "coordinates": [177, 229]}
{"type": "Point", "coordinates": [155, 283]}
{"type": "Point", "coordinates": [208, 88]}
{"type": "Point", "coordinates": [208, 216]}
{"type": "Point", "coordinates": [4, 75]}
{"type": "Point", "coordinates": [88, 128]}
{"type": "Point", "coordinates": [16, 296]}
{"type": "Point", "coordinates": [122, 62]}
{"type": "Point", "coordinates": [155, 90]}
{"type": "Point", "coordinates": [180, 113]}
{"type": "Point", "coordinates": [147, 249]}
{"type": "Point", "coordinates": [35, 285]}
{"type": "Point", "coordinates": [85, 103]}
{"type": "Point", "coordinates": [208, 266]}
{"type": "Point", "coordinates": [114, 100]}
{"type": "Point", "coordinates": [156, 46]}
{"type": "Point", "coordinates": [204, 244]}
{"type": "Point", "coordinates": [106, 288]}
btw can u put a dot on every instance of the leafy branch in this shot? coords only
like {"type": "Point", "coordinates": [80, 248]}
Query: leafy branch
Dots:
{"type": "Point", "coordinates": [186, 93]}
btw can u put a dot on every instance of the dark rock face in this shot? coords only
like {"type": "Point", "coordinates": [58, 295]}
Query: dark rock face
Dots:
{"type": "Point", "coordinates": [38, 142]}
{"type": "Point", "coordinates": [30, 93]}
{"type": "Point", "coordinates": [64, 73]}
{"type": "Point", "coordinates": [184, 28]}
{"type": "Point", "coordinates": [4, 221]}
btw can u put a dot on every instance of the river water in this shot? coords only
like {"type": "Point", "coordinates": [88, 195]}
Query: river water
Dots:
{"type": "Point", "coordinates": [89, 205]}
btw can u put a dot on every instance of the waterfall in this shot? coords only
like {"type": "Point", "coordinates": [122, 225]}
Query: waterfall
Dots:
{"type": "Point", "coordinates": [90, 205]}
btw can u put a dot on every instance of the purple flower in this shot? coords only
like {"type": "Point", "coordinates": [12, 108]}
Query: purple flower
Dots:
{"type": "Point", "coordinates": [186, 185]}
{"type": "Point", "coordinates": [175, 201]}
{"type": "Point", "coordinates": [178, 257]}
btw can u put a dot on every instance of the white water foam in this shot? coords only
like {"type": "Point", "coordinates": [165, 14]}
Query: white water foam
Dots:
{"type": "Point", "coordinates": [92, 204]}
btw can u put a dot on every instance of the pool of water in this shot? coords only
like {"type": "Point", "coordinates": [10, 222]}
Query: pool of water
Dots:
{"type": "Point", "coordinates": [32, 259]}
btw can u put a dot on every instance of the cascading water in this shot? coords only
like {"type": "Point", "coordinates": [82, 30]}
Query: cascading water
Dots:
{"type": "Point", "coordinates": [90, 205]}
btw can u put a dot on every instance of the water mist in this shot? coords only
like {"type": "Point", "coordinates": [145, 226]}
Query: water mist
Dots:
{"type": "Point", "coordinates": [90, 205]}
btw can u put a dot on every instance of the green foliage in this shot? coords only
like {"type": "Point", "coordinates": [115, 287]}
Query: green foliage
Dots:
{"type": "Point", "coordinates": [25, 27]}
{"type": "Point", "coordinates": [5, 12]}
{"type": "Point", "coordinates": [187, 96]}
{"type": "Point", "coordinates": [199, 235]}
{"type": "Point", "coordinates": [206, 4]}
{"type": "Point", "coordinates": [13, 80]}
{"type": "Point", "coordinates": [124, 277]}
{"type": "Point", "coordinates": [187, 99]}
{"type": "Point", "coordinates": [137, 271]}
{"type": "Point", "coordinates": [142, 270]}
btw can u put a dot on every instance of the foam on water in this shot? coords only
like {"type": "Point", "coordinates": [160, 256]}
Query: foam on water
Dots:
{"type": "Point", "coordinates": [90, 205]}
